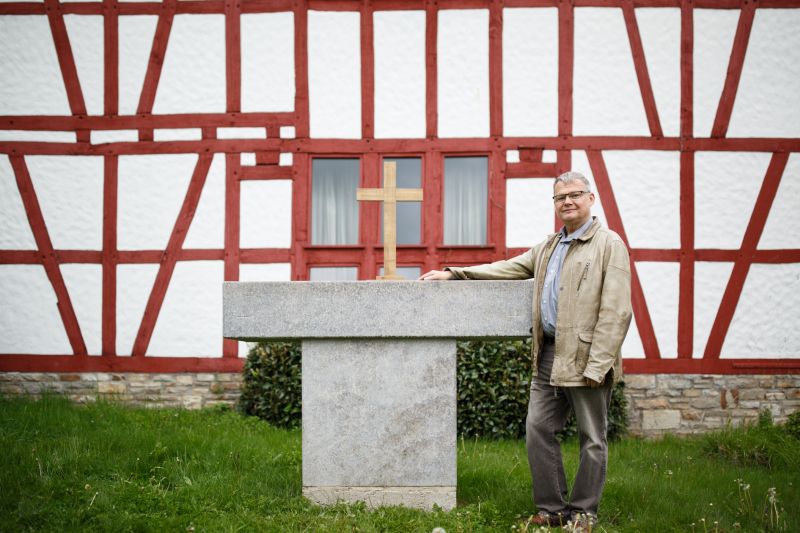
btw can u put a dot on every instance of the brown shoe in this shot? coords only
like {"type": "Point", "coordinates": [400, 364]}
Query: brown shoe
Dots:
{"type": "Point", "coordinates": [545, 519]}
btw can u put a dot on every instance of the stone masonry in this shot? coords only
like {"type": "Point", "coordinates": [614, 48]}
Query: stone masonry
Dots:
{"type": "Point", "coordinates": [658, 404]}
{"type": "Point", "coordinates": [694, 403]}
{"type": "Point", "coordinates": [190, 391]}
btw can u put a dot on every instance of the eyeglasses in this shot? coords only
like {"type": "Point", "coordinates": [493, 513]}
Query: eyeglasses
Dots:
{"type": "Point", "coordinates": [559, 198]}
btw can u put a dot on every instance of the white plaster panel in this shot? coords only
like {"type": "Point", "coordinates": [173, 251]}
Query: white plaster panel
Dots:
{"type": "Point", "coordinates": [70, 193]}
{"type": "Point", "coordinates": [768, 100]}
{"type": "Point", "coordinates": [512, 156]}
{"type": "Point", "coordinates": [86, 40]}
{"type": "Point", "coordinates": [32, 82]}
{"type": "Point", "coordinates": [262, 272]}
{"type": "Point", "coordinates": [150, 193]}
{"type": "Point", "coordinates": [580, 163]}
{"type": "Point", "coordinates": [767, 315]}
{"type": "Point", "coordinates": [113, 136]}
{"type": "Point", "coordinates": [660, 29]}
{"type": "Point", "coordinates": [193, 77]}
{"type": "Point", "coordinates": [85, 287]}
{"type": "Point", "coordinates": [606, 95]}
{"type": "Point", "coordinates": [285, 160]}
{"type": "Point", "coordinates": [248, 159]}
{"type": "Point", "coordinates": [135, 41]}
{"type": "Point", "coordinates": [29, 317]}
{"type": "Point", "coordinates": [241, 133]}
{"type": "Point", "coordinates": [190, 322]}
{"type": "Point", "coordinates": [713, 38]}
{"type": "Point", "coordinates": [530, 72]}
{"type": "Point", "coordinates": [208, 225]}
{"type": "Point", "coordinates": [646, 186]}
{"type": "Point", "coordinates": [549, 156]}
{"type": "Point", "coordinates": [177, 134]}
{"type": "Point", "coordinates": [334, 74]}
{"type": "Point", "coordinates": [529, 211]}
{"type": "Point", "coordinates": [782, 229]}
{"type": "Point", "coordinates": [267, 62]}
{"type": "Point", "coordinates": [632, 345]}
{"type": "Point", "coordinates": [16, 234]}
{"type": "Point", "coordinates": [710, 280]}
{"type": "Point", "coordinates": [660, 282]}
{"type": "Point", "coordinates": [399, 74]}
{"type": "Point", "coordinates": [134, 284]}
{"type": "Point", "coordinates": [40, 136]}
{"type": "Point", "coordinates": [463, 73]}
{"type": "Point", "coordinates": [287, 132]}
{"type": "Point", "coordinates": [726, 187]}
{"type": "Point", "coordinates": [266, 214]}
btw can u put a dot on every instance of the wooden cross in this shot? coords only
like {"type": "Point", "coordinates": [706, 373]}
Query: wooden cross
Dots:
{"type": "Point", "coordinates": [389, 195]}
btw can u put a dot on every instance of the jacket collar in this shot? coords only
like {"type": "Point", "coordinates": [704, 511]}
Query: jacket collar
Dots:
{"type": "Point", "coordinates": [588, 234]}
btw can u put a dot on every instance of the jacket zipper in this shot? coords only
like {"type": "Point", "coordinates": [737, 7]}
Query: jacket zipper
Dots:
{"type": "Point", "coordinates": [583, 276]}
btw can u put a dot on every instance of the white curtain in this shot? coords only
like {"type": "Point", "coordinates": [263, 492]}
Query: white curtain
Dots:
{"type": "Point", "coordinates": [465, 199]}
{"type": "Point", "coordinates": [333, 273]}
{"type": "Point", "coordinates": [334, 208]}
{"type": "Point", "coordinates": [409, 214]}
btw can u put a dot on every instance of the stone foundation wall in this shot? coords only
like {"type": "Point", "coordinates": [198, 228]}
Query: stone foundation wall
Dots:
{"type": "Point", "coordinates": [694, 403]}
{"type": "Point", "coordinates": [191, 391]}
{"type": "Point", "coordinates": [658, 404]}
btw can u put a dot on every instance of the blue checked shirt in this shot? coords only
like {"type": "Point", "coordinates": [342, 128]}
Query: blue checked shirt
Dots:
{"type": "Point", "coordinates": [552, 279]}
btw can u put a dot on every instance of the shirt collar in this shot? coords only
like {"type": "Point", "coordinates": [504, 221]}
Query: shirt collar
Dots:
{"type": "Point", "coordinates": [577, 233]}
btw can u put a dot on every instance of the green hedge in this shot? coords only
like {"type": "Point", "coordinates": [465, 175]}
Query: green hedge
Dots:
{"type": "Point", "coordinates": [493, 388]}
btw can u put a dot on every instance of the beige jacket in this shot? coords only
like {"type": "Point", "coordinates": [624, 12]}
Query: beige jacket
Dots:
{"type": "Point", "coordinates": [594, 306]}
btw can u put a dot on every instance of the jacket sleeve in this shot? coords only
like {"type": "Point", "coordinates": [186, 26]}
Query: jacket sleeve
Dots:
{"type": "Point", "coordinates": [519, 267]}
{"type": "Point", "coordinates": [615, 312]}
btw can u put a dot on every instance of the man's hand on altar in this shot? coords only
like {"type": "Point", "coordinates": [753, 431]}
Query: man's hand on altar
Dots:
{"type": "Point", "coordinates": [435, 275]}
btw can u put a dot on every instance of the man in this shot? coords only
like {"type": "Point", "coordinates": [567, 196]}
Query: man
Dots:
{"type": "Point", "coordinates": [581, 314]}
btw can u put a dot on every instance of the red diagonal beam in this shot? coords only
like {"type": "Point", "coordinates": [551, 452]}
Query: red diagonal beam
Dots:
{"type": "Point", "coordinates": [109, 256]}
{"type": "Point", "coordinates": [640, 310]}
{"type": "Point", "coordinates": [48, 259]}
{"type": "Point", "coordinates": [735, 64]}
{"type": "Point", "coordinates": [65, 58]}
{"type": "Point", "coordinates": [156, 61]}
{"type": "Point", "coordinates": [168, 260]}
{"type": "Point", "coordinates": [640, 63]}
{"type": "Point", "coordinates": [233, 56]}
{"type": "Point", "coordinates": [741, 267]}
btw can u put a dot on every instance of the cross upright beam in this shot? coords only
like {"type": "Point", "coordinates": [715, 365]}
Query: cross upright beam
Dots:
{"type": "Point", "coordinates": [389, 195]}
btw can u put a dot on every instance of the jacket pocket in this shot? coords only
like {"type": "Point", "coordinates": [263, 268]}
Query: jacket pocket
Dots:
{"type": "Point", "coordinates": [584, 274]}
{"type": "Point", "coordinates": [582, 352]}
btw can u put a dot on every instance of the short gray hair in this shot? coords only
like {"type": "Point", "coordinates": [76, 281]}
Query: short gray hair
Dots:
{"type": "Point", "coordinates": [570, 176]}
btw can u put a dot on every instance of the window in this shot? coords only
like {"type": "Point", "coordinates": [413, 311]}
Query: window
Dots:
{"type": "Point", "coordinates": [409, 214]}
{"type": "Point", "coordinates": [333, 273]}
{"type": "Point", "coordinates": [465, 200]}
{"type": "Point", "coordinates": [334, 208]}
{"type": "Point", "coordinates": [407, 272]}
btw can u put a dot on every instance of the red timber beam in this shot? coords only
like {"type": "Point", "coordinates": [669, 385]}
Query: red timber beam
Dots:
{"type": "Point", "coordinates": [643, 321]}
{"type": "Point", "coordinates": [110, 57]}
{"type": "Point", "coordinates": [369, 220]}
{"type": "Point", "coordinates": [48, 259]}
{"type": "Point", "coordinates": [109, 255]}
{"type": "Point", "coordinates": [150, 364]}
{"type": "Point", "coordinates": [157, 54]}
{"type": "Point", "coordinates": [432, 209]}
{"type": "Point", "coordinates": [741, 267]}
{"type": "Point", "coordinates": [431, 69]}
{"type": "Point", "coordinates": [170, 255]}
{"type": "Point", "coordinates": [685, 346]}
{"type": "Point", "coordinates": [640, 63]}
{"type": "Point", "coordinates": [367, 32]}
{"type": "Point", "coordinates": [738, 52]}
{"type": "Point", "coordinates": [233, 196]}
{"type": "Point", "coordinates": [301, 113]}
{"type": "Point", "coordinates": [496, 234]}
{"type": "Point", "coordinates": [233, 56]}
{"type": "Point", "coordinates": [182, 120]}
{"type": "Point", "coordinates": [566, 67]}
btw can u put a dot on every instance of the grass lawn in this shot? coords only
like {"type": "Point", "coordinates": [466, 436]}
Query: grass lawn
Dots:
{"type": "Point", "coordinates": [106, 467]}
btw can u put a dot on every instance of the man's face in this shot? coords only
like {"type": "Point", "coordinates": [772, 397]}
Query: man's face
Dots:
{"type": "Point", "coordinates": [573, 211]}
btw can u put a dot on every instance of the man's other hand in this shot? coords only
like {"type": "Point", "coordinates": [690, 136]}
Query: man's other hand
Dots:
{"type": "Point", "coordinates": [434, 275]}
{"type": "Point", "coordinates": [592, 383]}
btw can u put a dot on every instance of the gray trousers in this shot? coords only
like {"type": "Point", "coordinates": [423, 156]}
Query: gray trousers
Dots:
{"type": "Point", "coordinates": [547, 413]}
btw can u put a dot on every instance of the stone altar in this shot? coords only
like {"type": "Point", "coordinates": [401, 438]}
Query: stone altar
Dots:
{"type": "Point", "coordinates": [379, 375]}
